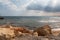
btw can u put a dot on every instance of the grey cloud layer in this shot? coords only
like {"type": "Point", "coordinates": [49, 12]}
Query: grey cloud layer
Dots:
{"type": "Point", "coordinates": [28, 8]}
{"type": "Point", "coordinates": [41, 7]}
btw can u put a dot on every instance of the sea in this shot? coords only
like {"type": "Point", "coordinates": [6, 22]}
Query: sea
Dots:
{"type": "Point", "coordinates": [31, 21]}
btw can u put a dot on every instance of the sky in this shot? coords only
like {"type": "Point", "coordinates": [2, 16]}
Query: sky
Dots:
{"type": "Point", "coordinates": [29, 7]}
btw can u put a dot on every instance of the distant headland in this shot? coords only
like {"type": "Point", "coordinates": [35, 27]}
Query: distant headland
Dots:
{"type": "Point", "coordinates": [1, 17]}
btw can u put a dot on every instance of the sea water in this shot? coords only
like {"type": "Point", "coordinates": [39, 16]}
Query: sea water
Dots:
{"type": "Point", "coordinates": [31, 21]}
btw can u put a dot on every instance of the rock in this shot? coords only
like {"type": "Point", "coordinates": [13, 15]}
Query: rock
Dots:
{"type": "Point", "coordinates": [52, 39]}
{"type": "Point", "coordinates": [7, 31]}
{"type": "Point", "coordinates": [35, 34]}
{"type": "Point", "coordinates": [22, 29]}
{"type": "Point", "coordinates": [56, 32]}
{"type": "Point", "coordinates": [26, 37]}
{"type": "Point", "coordinates": [6, 26]}
{"type": "Point", "coordinates": [20, 33]}
{"type": "Point", "coordinates": [43, 31]}
{"type": "Point", "coordinates": [44, 39]}
{"type": "Point", "coordinates": [3, 38]}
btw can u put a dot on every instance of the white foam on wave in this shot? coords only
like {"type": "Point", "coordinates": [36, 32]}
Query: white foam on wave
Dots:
{"type": "Point", "coordinates": [48, 21]}
{"type": "Point", "coordinates": [56, 29]}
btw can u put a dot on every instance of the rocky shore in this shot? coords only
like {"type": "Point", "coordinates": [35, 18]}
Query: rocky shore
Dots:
{"type": "Point", "coordinates": [8, 32]}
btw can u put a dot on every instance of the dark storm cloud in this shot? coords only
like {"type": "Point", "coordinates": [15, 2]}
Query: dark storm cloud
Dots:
{"type": "Point", "coordinates": [35, 7]}
{"type": "Point", "coordinates": [48, 8]}
{"type": "Point", "coordinates": [57, 8]}
{"type": "Point", "coordinates": [51, 9]}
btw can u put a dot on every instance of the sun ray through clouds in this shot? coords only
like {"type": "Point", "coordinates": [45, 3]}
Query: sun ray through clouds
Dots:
{"type": "Point", "coordinates": [23, 7]}
{"type": "Point", "coordinates": [26, 4]}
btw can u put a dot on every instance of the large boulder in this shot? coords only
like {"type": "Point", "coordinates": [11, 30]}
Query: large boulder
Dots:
{"type": "Point", "coordinates": [43, 31]}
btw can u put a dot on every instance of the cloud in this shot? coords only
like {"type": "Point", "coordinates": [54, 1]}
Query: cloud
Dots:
{"type": "Point", "coordinates": [29, 8]}
{"type": "Point", "coordinates": [41, 13]}
{"type": "Point", "coordinates": [20, 2]}
{"type": "Point", "coordinates": [9, 4]}
{"type": "Point", "coordinates": [51, 6]}
{"type": "Point", "coordinates": [51, 9]}
{"type": "Point", "coordinates": [35, 7]}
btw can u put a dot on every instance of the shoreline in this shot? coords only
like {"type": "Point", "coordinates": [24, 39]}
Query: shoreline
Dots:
{"type": "Point", "coordinates": [21, 33]}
